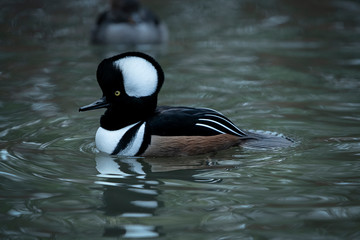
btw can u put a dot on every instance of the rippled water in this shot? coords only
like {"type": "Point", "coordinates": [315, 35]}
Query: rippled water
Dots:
{"type": "Point", "coordinates": [290, 67]}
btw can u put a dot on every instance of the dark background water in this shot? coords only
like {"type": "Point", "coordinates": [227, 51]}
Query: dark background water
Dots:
{"type": "Point", "coordinates": [291, 67]}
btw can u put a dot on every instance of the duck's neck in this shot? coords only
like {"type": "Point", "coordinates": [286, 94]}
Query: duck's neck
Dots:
{"type": "Point", "coordinates": [117, 118]}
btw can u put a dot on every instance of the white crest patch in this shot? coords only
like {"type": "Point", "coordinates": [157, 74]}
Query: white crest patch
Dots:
{"type": "Point", "coordinates": [140, 76]}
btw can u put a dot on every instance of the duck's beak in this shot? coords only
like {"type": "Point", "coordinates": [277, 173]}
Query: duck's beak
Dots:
{"type": "Point", "coordinates": [101, 103]}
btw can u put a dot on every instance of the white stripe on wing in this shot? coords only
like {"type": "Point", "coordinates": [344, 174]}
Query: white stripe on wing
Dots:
{"type": "Point", "coordinates": [207, 126]}
{"type": "Point", "coordinates": [222, 125]}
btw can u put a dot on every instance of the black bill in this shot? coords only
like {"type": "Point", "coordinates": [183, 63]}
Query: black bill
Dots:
{"type": "Point", "coordinates": [101, 103]}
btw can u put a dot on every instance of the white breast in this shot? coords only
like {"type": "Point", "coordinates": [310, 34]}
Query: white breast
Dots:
{"type": "Point", "coordinates": [106, 141]}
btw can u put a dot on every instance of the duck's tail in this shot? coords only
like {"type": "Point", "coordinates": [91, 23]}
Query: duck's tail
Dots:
{"type": "Point", "coordinates": [266, 140]}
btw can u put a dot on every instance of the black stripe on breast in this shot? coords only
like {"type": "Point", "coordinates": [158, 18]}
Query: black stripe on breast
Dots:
{"type": "Point", "coordinates": [146, 140]}
{"type": "Point", "coordinates": [126, 139]}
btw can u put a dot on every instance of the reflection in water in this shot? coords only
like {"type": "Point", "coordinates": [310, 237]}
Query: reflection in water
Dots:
{"type": "Point", "coordinates": [127, 194]}
{"type": "Point", "coordinates": [131, 190]}
{"type": "Point", "coordinates": [132, 231]}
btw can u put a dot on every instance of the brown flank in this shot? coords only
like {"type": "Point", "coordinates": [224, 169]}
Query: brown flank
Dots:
{"type": "Point", "coordinates": [189, 145]}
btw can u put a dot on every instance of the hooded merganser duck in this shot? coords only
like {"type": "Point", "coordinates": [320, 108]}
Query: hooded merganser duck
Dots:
{"type": "Point", "coordinates": [133, 124]}
{"type": "Point", "coordinates": [127, 22]}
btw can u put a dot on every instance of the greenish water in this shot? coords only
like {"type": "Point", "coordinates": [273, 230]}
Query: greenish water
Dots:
{"type": "Point", "coordinates": [283, 66]}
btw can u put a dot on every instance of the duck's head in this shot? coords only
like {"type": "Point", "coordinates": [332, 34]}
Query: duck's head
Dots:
{"type": "Point", "coordinates": [127, 6]}
{"type": "Point", "coordinates": [130, 83]}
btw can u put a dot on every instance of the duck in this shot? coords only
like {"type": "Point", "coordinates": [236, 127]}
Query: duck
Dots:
{"type": "Point", "coordinates": [127, 22]}
{"type": "Point", "coordinates": [134, 125]}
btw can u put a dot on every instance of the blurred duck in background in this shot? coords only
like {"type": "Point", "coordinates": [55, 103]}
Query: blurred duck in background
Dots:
{"type": "Point", "coordinates": [127, 22]}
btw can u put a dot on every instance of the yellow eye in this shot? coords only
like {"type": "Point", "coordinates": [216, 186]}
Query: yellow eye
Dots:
{"type": "Point", "coordinates": [117, 93]}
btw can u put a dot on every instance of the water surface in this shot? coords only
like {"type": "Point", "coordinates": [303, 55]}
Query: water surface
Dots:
{"type": "Point", "coordinates": [282, 66]}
